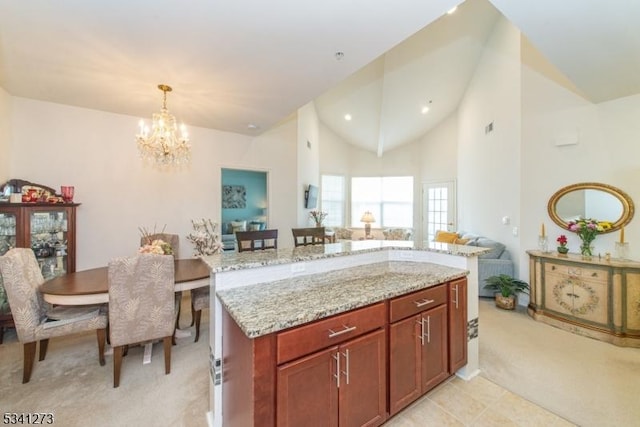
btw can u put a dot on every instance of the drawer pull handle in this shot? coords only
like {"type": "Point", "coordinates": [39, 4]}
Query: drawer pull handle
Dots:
{"type": "Point", "coordinates": [553, 267]}
{"type": "Point", "coordinates": [346, 329]}
{"type": "Point", "coordinates": [423, 302]}
{"type": "Point", "coordinates": [594, 274]}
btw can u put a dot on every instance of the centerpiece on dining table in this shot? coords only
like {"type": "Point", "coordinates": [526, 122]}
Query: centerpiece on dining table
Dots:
{"type": "Point", "coordinates": [153, 246]}
{"type": "Point", "coordinates": [587, 229]}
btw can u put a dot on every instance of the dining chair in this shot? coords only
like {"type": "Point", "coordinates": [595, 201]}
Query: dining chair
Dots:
{"type": "Point", "coordinates": [35, 320]}
{"type": "Point", "coordinates": [142, 305]}
{"type": "Point", "coordinates": [308, 236]}
{"type": "Point", "coordinates": [257, 240]}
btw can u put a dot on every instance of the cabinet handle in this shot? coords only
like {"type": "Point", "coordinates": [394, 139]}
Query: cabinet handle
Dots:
{"type": "Point", "coordinates": [423, 302]}
{"type": "Point", "coordinates": [346, 361]}
{"type": "Point", "coordinates": [553, 267]}
{"type": "Point", "coordinates": [428, 329]}
{"type": "Point", "coordinates": [421, 322]}
{"type": "Point", "coordinates": [456, 300]}
{"type": "Point", "coordinates": [337, 374]}
{"type": "Point", "coordinates": [346, 329]}
{"type": "Point", "coordinates": [594, 274]}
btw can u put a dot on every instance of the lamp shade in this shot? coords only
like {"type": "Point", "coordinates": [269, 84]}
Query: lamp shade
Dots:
{"type": "Point", "coordinates": [367, 217]}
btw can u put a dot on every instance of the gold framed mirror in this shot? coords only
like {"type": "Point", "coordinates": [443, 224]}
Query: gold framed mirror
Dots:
{"type": "Point", "coordinates": [591, 200]}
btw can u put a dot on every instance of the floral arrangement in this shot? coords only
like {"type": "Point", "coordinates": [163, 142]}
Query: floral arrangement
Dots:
{"type": "Point", "coordinates": [318, 216]}
{"type": "Point", "coordinates": [587, 229]}
{"type": "Point", "coordinates": [204, 237]}
{"type": "Point", "coordinates": [158, 247]}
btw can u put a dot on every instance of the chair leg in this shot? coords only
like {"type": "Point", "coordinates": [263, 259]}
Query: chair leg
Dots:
{"type": "Point", "coordinates": [198, 315]}
{"type": "Point", "coordinates": [193, 314]}
{"type": "Point", "coordinates": [102, 335]}
{"type": "Point", "coordinates": [29, 358]}
{"type": "Point", "coordinates": [117, 364]}
{"type": "Point", "coordinates": [179, 296]}
{"type": "Point", "coordinates": [167, 354]}
{"type": "Point", "coordinates": [44, 344]}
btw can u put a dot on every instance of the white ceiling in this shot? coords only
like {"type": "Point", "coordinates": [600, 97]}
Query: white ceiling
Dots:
{"type": "Point", "coordinates": [241, 62]}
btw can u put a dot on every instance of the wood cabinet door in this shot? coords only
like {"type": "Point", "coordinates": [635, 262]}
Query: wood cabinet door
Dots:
{"type": "Point", "coordinates": [435, 361]}
{"type": "Point", "coordinates": [457, 325]}
{"type": "Point", "coordinates": [307, 392]}
{"type": "Point", "coordinates": [363, 391]}
{"type": "Point", "coordinates": [404, 363]}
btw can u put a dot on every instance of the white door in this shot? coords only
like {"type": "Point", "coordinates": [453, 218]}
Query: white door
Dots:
{"type": "Point", "coordinates": [438, 207]}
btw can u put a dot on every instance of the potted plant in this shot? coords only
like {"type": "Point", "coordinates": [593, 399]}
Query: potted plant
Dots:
{"type": "Point", "coordinates": [562, 244]}
{"type": "Point", "coordinates": [507, 289]}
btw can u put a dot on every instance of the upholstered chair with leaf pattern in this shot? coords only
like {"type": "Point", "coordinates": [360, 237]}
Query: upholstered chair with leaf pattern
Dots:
{"type": "Point", "coordinates": [35, 320]}
{"type": "Point", "coordinates": [142, 305]}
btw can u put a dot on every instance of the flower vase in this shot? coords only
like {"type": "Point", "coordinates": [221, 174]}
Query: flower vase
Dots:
{"type": "Point", "coordinates": [586, 250]}
{"type": "Point", "coordinates": [318, 224]}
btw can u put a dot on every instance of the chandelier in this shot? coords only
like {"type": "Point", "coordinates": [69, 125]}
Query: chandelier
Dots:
{"type": "Point", "coordinates": [163, 146]}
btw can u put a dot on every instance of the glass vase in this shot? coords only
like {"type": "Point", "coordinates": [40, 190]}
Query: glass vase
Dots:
{"type": "Point", "coordinates": [586, 250]}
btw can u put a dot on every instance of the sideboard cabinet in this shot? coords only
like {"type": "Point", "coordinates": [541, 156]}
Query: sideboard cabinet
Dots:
{"type": "Point", "coordinates": [48, 229]}
{"type": "Point", "coordinates": [598, 298]}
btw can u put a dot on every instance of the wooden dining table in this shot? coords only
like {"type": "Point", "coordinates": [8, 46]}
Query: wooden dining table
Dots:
{"type": "Point", "coordinates": [92, 286]}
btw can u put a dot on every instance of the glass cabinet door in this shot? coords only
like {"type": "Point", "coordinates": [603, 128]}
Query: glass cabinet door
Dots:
{"type": "Point", "coordinates": [48, 239]}
{"type": "Point", "coordinates": [8, 229]}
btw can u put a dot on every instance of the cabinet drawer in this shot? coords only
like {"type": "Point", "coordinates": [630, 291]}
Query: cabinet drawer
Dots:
{"type": "Point", "coordinates": [416, 302]}
{"type": "Point", "coordinates": [586, 273]}
{"type": "Point", "coordinates": [309, 338]}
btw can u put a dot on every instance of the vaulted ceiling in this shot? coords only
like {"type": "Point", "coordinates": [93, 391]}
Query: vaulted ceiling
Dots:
{"type": "Point", "coordinates": [244, 65]}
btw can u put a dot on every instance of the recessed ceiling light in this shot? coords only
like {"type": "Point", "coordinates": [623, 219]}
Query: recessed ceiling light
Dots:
{"type": "Point", "coordinates": [424, 110]}
{"type": "Point", "coordinates": [347, 117]}
{"type": "Point", "coordinates": [452, 10]}
{"type": "Point", "coordinates": [252, 126]}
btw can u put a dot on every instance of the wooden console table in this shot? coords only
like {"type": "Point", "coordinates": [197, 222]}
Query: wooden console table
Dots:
{"type": "Point", "coordinates": [596, 298]}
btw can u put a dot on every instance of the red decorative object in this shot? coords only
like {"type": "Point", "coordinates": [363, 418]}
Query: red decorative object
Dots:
{"type": "Point", "coordinates": [67, 193]}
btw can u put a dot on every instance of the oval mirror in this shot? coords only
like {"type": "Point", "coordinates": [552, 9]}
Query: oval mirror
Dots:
{"type": "Point", "coordinates": [591, 200]}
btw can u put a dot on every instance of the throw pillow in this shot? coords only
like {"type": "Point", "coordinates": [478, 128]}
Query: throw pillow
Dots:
{"type": "Point", "coordinates": [496, 248]}
{"type": "Point", "coordinates": [460, 241]}
{"type": "Point", "coordinates": [238, 226]}
{"type": "Point", "coordinates": [445, 236]}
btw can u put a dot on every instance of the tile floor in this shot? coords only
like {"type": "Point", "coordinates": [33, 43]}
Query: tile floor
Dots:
{"type": "Point", "coordinates": [476, 403]}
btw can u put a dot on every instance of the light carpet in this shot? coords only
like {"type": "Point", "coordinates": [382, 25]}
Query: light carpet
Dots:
{"type": "Point", "coordinates": [586, 381]}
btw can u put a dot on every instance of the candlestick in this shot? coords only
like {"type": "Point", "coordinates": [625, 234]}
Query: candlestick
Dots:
{"type": "Point", "coordinates": [621, 234]}
{"type": "Point", "coordinates": [542, 230]}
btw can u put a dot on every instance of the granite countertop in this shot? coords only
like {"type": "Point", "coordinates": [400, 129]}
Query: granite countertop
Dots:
{"type": "Point", "coordinates": [270, 307]}
{"type": "Point", "coordinates": [230, 261]}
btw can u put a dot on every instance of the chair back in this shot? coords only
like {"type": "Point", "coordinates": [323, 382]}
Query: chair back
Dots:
{"type": "Point", "coordinates": [22, 279]}
{"type": "Point", "coordinates": [308, 236]}
{"type": "Point", "coordinates": [257, 240]}
{"type": "Point", "coordinates": [141, 298]}
{"type": "Point", "coordinates": [172, 239]}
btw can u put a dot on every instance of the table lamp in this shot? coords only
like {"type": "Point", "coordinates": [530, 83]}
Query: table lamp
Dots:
{"type": "Point", "coordinates": [367, 218]}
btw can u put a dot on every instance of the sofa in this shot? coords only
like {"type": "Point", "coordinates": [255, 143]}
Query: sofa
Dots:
{"type": "Point", "coordinates": [343, 233]}
{"type": "Point", "coordinates": [496, 261]}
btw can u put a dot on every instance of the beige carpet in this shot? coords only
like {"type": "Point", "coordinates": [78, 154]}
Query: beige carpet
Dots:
{"type": "Point", "coordinates": [588, 382]}
{"type": "Point", "coordinates": [585, 381]}
{"type": "Point", "coordinates": [71, 383]}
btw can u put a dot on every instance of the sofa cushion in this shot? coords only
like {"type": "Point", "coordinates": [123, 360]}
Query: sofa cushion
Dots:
{"type": "Point", "coordinates": [238, 226]}
{"type": "Point", "coordinates": [397, 234]}
{"type": "Point", "coordinates": [445, 236]}
{"type": "Point", "coordinates": [461, 241]}
{"type": "Point", "coordinates": [496, 248]}
{"type": "Point", "coordinates": [342, 233]}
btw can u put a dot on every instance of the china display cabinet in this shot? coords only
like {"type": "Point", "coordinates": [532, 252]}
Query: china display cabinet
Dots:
{"type": "Point", "coordinates": [48, 229]}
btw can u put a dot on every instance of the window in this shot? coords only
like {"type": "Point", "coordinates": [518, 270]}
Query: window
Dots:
{"type": "Point", "coordinates": [389, 199]}
{"type": "Point", "coordinates": [332, 199]}
{"type": "Point", "coordinates": [439, 200]}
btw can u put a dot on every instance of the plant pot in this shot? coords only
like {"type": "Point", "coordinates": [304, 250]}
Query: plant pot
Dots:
{"type": "Point", "coordinates": [563, 250]}
{"type": "Point", "coordinates": [506, 303]}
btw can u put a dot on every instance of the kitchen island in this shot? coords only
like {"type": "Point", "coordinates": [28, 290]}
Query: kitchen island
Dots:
{"type": "Point", "coordinates": [264, 297]}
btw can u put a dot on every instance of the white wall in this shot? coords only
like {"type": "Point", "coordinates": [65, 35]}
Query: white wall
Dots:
{"type": "Point", "coordinates": [607, 152]}
{"type": "Point", "coordinates": [308, 159]}
{"type": "Point", "coordinates": [489, 164]}
{"type": "Point", "coordinates": [96, 152]}
{"type": "Point", "coordinates": [5, 136]}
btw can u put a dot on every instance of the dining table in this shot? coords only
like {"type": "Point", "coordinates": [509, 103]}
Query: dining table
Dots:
{"type": "Point", "coordinates": [92, 287]}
